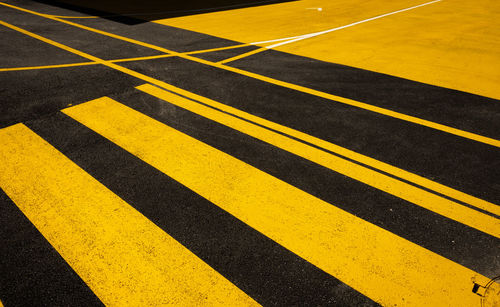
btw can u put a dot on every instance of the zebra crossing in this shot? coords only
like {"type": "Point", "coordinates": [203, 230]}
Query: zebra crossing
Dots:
{"type": "Point", "coordinates": [126, 259]}
{"type": "Point", "coordinates": [147, 164]}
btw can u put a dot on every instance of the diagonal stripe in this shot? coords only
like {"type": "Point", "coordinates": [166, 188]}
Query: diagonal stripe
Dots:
{"type": "Point", "coordinates": [400, 189]}
{"type": "Point", "coordinates": [338, 99]}
{"type": "Point", "coordinates": [71, 17]}
{"type": "Point", "coordinates": [235, 250]}
{"type": "Point", "coordinates": [306, 36]}
{"type": "Point", "coordinates": [121, 60]}
{"type": "Point", "coordinates": [33, 272]}
{"type": "Point", "coordinates": [48, 66]}
{"type": "Point", "coordinates": [123, 257]}
{"type": "Point", "coordinates": [241, 56]}
{"type": "Point", "coordinates": [375, 262]}
{"type": "Point", "coordinates": [366, 160]}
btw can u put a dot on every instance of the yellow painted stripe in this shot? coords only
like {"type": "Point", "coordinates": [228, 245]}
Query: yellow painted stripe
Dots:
{"type": "Point", "coordinates": [85, 63]}
{"type": "Point", "coordinates": [354, 103]}
{"type": "Point", "coordinates": [241, 56]}
{"type": "Point", "coordinates": [142, 58]}
{"type": "Point", "coordinates": [76, 17]}
{"type": "Point", "coordinates": [121, 60]}
{"type": "Point", "coordinates": [70, 17]}
{"type": "Point", "coordinates": [217, 49]}
{"type": "Point", "coordinates": [375, 262]}
{"type": "Point", "coordinates": [400, 189]}
{"type": "Point", "coordinates": [124, 258]}
{"type": "Point", "coordinates": [385, 167]}
{"type": "Point", "coordinates": [47, 66]}
{"type": "Point", "coordinates": [361, 105]}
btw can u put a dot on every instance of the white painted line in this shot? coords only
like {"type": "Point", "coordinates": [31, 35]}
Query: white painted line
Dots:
{"type": "Point", "coordinates": [288, 40]}
{"type": "Point", "coordinates": [276, 40]}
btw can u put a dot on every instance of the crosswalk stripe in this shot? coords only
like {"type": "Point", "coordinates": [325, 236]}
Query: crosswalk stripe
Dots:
{"type": "Point", "coordinates": [379, 264]}
{"type": "Point", "coordinates": [238, 252]}
{"type": "Point", "coordinates": [433, 202]}
{"type": "Point", "coordinates": [123, 257]}
{"type": "Point", "coordinates": [33, 273]}
{"type": "Point", "coordinates": [390, 169]}
{"type": "Point", "coordinates": [474, 201]}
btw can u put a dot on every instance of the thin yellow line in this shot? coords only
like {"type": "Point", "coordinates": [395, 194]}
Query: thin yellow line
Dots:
{"type": "Point", "coordinates": [78, 52]}
{"type": "Point", "coordinates": [244, 55]}
{"type": "Point", "coordinates": [354, 103]}
{"type": "Point", "coordinates": [120, 60]}
{"type": "Point", "coordinates": [48, 66]}
{"type": "Point", "coordinates": [143, 58]}
{"type": "Point", "coordinates": [176, 54]}
{"type": "Point", "coordinates": [217, 49]}
{"type": "Point", "coordinates": [72, 17]}
{"type": "Point", "coordinates": [362, 105]}
{"type": "Point", "coordinates": [329, 146]}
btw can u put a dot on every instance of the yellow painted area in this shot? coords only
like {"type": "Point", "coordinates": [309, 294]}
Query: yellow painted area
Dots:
{"type": "Point", "coordinates": [452, 43]}
{"type": "Point", "coordinates": [379, 264]}
{"type": "Point", "coordinates": [124, 258]}
{"type": "Point", "coordinates": [387, 168]}
{"type": "Point", "coordinates": [402, 174]}
{"type": "Point", "coordinates": [440, 205]}
{"type": "Point", "coordinates": [303, 89]}
{"type": "Point", "coordinates": [286, 19]}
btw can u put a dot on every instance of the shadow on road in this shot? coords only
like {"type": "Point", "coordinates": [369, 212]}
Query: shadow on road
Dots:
{"type": "Point", "coordinates": [139, 11]}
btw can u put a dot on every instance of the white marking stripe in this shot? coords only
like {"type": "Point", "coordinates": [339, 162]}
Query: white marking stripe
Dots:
{"type": "Point", "coordinates": [293, 39]}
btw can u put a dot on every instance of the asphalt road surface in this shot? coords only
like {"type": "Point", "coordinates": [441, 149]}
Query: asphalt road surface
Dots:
{"type": "Point", "coordinates": [155, 154]}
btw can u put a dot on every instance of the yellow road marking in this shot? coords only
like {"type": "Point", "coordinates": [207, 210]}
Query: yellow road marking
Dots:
{"type": "Point", "coordinates": [48, 66]}
{"type": "Point", "coordinates": [142, 58]}
{"type": "Point", "coordinates": [354, 103]}
{"type": "Point", "coordinates": [417, 179]}
{"type": "Point", "coordinates": [430, 201]}
{"type": "Point", "coordinates": [124, 258]}
{"type": "Point", "coordinates": [69, 17]}
{"type": "Point", "coordinates": [74, 17]}
{"type": "Point", "coordinates": [327, 145]}
{"type": "Point", "coordinates": [216, 49]}
{"type": "Point", "coordinates": [379, 264]}
{"type": "Point", "coordinates": [241, 56]}
{"type": "Point", "coordinates": [361, 105]}
{"type": "Point", "coordinates": [121, 60]}
{"type": "Point", "coordinates": [387, 168]}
